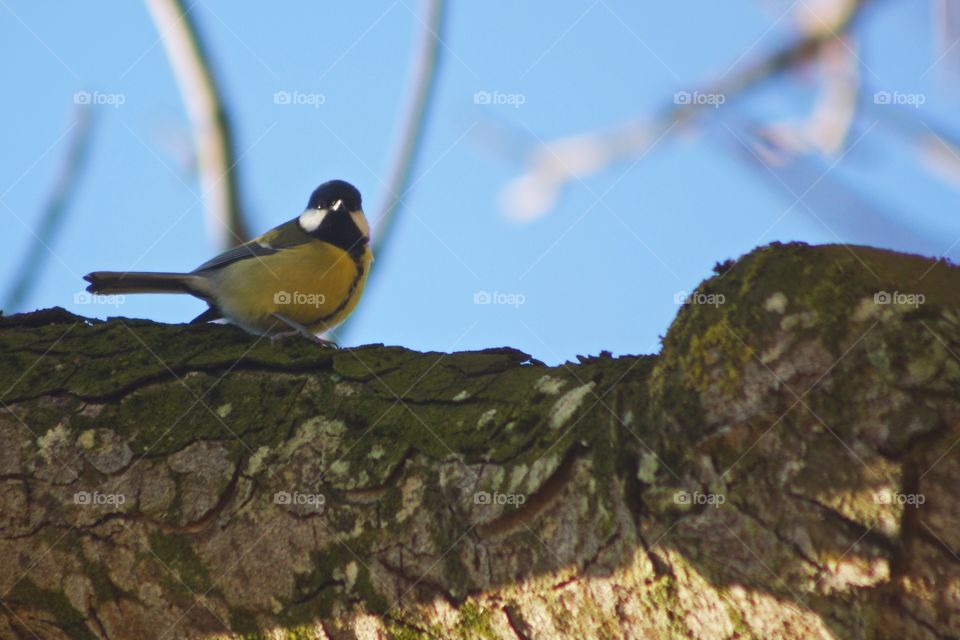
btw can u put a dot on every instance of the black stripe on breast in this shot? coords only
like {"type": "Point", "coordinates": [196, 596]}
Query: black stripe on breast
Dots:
{"type": "Point", "coordinates": [358, 263]}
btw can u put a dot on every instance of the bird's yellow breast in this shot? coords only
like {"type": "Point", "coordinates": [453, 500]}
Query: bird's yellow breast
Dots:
{"type": "Point", "coordinates": [315, 284]}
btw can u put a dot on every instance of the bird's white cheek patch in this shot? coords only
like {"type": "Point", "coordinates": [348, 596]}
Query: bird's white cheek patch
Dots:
{"type": "Point", "coordinates": [311, 220]}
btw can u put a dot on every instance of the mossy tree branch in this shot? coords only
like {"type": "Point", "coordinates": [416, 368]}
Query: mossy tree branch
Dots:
{"type": "Point", "coordinates": [784, 468]}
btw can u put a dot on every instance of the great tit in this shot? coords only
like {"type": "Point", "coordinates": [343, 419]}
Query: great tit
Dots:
{"type": "Point", "coordinates": [305, 275]}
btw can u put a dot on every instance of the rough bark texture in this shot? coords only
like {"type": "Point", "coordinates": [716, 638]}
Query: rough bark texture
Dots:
{"type": "Point", "coordinates": [785, 467]}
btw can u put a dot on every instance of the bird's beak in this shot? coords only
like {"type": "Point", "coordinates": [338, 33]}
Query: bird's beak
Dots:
{"type": "Point", "coordinates": [361, 221]}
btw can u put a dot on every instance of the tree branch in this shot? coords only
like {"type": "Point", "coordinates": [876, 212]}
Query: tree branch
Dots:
{"type": "Point", "coordinates": [212, 135]}
{"type": "Point", "coordinates": [555, 163]}
{"type": "Point", "coordinates": [422, 84]}
{"type": "Point", "coordinates": [785, 467]}
{"type": "Point", "coordinates": [54, 213]}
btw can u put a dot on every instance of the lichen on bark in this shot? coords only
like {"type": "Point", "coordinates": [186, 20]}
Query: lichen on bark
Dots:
{"type": "Point", "coordinates": [785, 467]}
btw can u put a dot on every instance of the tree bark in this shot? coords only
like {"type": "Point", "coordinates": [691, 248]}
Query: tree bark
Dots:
{"type": "Point", "coordinates": [786, 467]}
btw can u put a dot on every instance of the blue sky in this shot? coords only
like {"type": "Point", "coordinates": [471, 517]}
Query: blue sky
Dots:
{"type": "Point", "coordinates": [604, 279]}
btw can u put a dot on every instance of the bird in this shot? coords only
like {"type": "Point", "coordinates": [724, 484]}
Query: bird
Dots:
{"type": "Point", "coordinates": [304, 276]}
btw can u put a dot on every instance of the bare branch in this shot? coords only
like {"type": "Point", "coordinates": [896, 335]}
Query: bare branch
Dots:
{"type": "Point", "coordinates": [424, 72]}
{"type": "Point", "coordinates": [54, 213]}
{"type": "Point", "coordinates": [554, 163]}
{"type": "Point", "coordinates": [213, 140]}
{"type": "Point", "coordinates": [421, 95]}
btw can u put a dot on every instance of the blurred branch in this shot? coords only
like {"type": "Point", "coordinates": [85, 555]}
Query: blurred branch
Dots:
{"type": "Point", "coordinates": [54, 213]}
{"type": "Point", "coordinates": [816, 192]}
{"type": "Point", "coordinates": [825, 129]}
{"type": "Point", "coordinates": [213, 139]}
{"type": "Point", "coordinates": [787, 58]}
{"type": "Point", "coordinates": [941, 157]}
{"type": "Point", "coordinates": [426, 61]}
{"type": "Point", "coordinates": [421, 94]}
{"type": "Point", "coordinates": [555, 163]}
{"type": "Point", "coordinates": [937, 146]}
{"type": "Point", "coordinates": [947, 25]}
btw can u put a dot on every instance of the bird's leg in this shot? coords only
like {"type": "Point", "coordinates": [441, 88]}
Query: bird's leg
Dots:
{"type": "Point", "coordinates": [299, 329]}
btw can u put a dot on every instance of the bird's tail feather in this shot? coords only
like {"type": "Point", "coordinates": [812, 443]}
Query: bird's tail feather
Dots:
{"type": "Point", "coordinates": [109, 282]}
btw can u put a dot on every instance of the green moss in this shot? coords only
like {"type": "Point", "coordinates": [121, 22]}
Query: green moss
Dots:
{"type": "Point", "coordinates": [165, 418]}
{"type": "Point", "coordinates": [819, 289]}
{"type": "Point", "coordinates": [370, 363]}
{"type": "Point", "coordinates": [244, 622]}
{"type": "Point", "coordinates": [124, 353]}
{"type": "Point", "coordinates": [455, 573]}
{"type": "Point", "coordinates": [740, 627]}
{"type": "Point", "coordinates": [71, 621]}
{"type": "Point", "coordinates": [474, 623]}
{"type": "Point", "coordinates": [391, 503]}
{"type": "Point", "coordinates": [404, 632]}
{"type": "Point", "coordinates": [103, 589]}
{"type": "Point", "coordinates": [302, 632]}
{"type": "Point", "coordinates": [662, 596]}
{"type": "Point", "coordinates": [373, 600]}
{"type": "Point", "coordinates": [175, 552]}
{"type": "Point", "coordinates": [316, 591]}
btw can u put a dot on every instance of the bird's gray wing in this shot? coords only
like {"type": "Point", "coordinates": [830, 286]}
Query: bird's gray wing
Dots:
{"type": "Point", "coordinates": [251, 249]}
{"type": "Point", "coordinates": [286, 235]}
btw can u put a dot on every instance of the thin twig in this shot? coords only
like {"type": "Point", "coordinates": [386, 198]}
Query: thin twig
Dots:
{"type": "Point", "coordinates": [422, 90]}
{"type": "Point", "coordinates": [212, 136]}
{"type": "Point", "coordinates": [554, 163]}
{"type": "Point", "coordinates": [422, 86]}
{"type": "Point", "coordinates": [54, 212]}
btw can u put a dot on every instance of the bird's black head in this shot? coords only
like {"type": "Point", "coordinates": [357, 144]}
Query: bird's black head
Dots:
{"type": "Point", "coordinates": [327, 194]}
{"type": "Point", "coordinates": [334, 215]}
